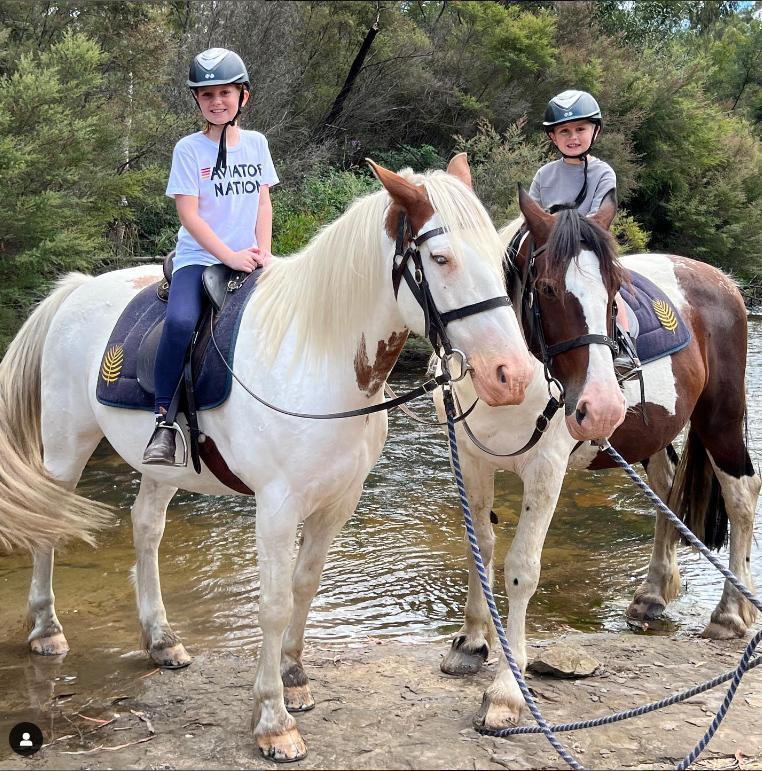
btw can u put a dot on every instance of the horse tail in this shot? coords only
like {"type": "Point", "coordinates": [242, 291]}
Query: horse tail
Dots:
{"type": "Point", "coordinates": [35, 511]}
{"type": "Point", "coordinates": [696, 496]}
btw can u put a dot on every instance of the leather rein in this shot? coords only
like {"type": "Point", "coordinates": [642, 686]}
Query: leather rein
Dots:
{"type": "Point", "coordinates": [435, 326]}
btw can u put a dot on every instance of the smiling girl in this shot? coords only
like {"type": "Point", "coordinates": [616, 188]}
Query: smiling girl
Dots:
{"type": "Point", "coordinates": [220, 180]}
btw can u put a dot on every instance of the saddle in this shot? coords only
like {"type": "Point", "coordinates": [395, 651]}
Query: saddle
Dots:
{"type": "Point", "coordinates": [126, 377]}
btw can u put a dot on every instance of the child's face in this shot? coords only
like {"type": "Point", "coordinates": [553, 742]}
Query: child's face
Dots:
{"type": "Point", "coordinates": [219, 104]}
{"type": "Point", "coordinates": [573, 138]}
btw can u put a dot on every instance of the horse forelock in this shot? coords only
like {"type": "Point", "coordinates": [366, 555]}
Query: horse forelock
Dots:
{"type": "Point", "coordinates": [571, 233]}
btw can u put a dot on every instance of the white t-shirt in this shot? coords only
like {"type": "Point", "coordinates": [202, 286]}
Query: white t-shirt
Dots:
{"type": "Point", "coordinates": [227, 202]}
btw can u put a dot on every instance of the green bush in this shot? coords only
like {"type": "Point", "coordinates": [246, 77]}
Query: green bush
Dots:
{"type": "Point", "coordinates": [301, 210]}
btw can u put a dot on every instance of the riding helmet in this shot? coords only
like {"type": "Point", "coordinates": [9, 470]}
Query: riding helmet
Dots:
{"type": "Point", "coordinates": [217, 66]}
{"type": "Point", "coordinates": [569, 106]}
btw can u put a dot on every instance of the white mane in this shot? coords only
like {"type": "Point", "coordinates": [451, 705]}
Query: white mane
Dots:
{"type": "Point", "coordinates": [507, 232]}
{"type": "Point", "coordinates": [327, 290]}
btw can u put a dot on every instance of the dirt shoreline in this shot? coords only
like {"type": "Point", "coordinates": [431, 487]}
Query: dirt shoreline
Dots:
{"type": "Point", "coordinates": [387, 705]}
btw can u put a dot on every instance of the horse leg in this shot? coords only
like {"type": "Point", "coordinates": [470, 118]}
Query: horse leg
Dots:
{"type": "Point", "coordinates": [148, 520]}
{"type": "Point", "coordinates": [734, 614]}
{"type": "Point", "coordinates": [662, 583]}
{"type": "Point", "coordinates": [66, 452]}
{"type": "Point", "coordinates": [470, 646]}
{"type": "Point", "coordinates": [502, 703]}
{"type": "Point", "coordinates": [46, 637]}
{"type": "Point", "coordinates": [275, 730]}
{"type": "Point", "coordinates": [320, 529]}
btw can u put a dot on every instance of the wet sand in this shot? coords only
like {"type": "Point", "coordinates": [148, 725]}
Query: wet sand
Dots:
{"type": "Point", "coordinates": [385, 704]}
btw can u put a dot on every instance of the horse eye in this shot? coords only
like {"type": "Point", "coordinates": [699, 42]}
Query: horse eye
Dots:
{"type": "Point", "coordinates": [440, 259]}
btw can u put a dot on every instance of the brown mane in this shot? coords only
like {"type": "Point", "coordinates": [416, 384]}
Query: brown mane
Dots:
{"type": "Point", "coordinates": [571, 233]}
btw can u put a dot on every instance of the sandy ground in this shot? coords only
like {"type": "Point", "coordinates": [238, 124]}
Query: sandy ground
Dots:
{"type": "Point", "coordinates": [386, 705]}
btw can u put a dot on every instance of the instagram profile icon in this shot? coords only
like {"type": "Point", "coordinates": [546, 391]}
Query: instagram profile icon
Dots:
{"type": "Point", "coordinates": [25, 738]}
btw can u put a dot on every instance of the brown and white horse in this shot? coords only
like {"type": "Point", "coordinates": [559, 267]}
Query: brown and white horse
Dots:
{"type": "Point", "coordinates": [576, 278]}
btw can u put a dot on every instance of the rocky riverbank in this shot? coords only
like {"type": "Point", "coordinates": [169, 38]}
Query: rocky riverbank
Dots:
{"type": "Point", "coordinates": [387, 705]}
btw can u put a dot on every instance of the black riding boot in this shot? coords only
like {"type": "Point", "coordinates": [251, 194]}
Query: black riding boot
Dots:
{"type": "Point", "coordinates": [161, 448]}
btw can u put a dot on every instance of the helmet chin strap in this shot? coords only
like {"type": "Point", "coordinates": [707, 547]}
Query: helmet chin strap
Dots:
{"type": "Point", "coordinates": [222, 152]}
{"type": "Point", "coordinates": [583, 190]}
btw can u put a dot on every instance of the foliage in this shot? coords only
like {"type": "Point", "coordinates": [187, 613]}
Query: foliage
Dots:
{"type": "Point", "coordinates": [324, 194]}
{"type": "Point", "coordinates": [92, 100]}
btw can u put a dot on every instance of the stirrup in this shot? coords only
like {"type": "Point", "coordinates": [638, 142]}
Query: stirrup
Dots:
{"type": "Point", "coordinates": [626, 362]}
{"type": "Point", "coordinates": [174, 427]}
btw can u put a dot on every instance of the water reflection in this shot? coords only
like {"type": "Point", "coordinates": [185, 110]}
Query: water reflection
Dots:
{"type": "Point", "coordinates": [396, 570]}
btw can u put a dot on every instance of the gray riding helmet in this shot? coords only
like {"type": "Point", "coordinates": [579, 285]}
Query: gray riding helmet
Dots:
{"type": "Point", "coordinates": [569, 106]}
{"type": "Point", "coordinates": [217, 66]}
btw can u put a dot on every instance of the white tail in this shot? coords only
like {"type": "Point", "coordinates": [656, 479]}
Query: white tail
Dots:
{"type": "Point", "coordinates": [35, 512]}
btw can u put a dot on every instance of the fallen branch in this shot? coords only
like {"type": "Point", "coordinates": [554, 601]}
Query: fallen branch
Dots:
{"type": "Point", "coordinates": [101, 748]}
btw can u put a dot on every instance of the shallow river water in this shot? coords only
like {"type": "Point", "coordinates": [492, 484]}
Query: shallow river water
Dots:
{"type": "Point", "coordinates": [396, 570]}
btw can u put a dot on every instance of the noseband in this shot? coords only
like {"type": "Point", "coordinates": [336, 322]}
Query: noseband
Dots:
{"type": "Point", "coordinates": [530, 300]}
{"type": "Point", "coordinates": [435, 323]}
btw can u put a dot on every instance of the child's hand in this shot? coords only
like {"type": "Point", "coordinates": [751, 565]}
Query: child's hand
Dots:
{"type": "Point", "coordinates": [245, 260]}
{"type": "Point", "coordinates": [262, 257]}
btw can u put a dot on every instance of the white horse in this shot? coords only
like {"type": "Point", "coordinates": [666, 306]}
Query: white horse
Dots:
{"type": "Point", "coordinates": [320, 334]}
{"type": "Point", "coordinates": [575, 296]}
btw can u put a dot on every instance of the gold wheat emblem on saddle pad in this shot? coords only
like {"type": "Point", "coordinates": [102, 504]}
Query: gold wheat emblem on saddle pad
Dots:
{"type": "Point", "coordinates": [113, 360]}
{"type": "Point", "coordinates": [665, 314]}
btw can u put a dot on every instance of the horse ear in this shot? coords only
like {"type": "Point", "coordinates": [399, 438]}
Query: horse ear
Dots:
{"type": "Point", "coordinates": [410, 197]}
{"type": "Point", "coordinates": [605, 215]}
{"type": "Point", "coordinates": [458, 167]}
{"type": "Point", "coordinates": [539, 222]}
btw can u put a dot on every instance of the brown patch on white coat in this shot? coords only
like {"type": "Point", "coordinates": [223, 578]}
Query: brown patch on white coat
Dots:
{"type": "Point", "coordinates": [141, 282]}
{"type": "Point", "coordinates": [371, 377]}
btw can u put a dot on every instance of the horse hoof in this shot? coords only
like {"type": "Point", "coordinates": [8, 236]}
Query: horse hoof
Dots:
{"type": "Point", "coordinates": [298, 698]}
{"type": "Point", "coordinates": [727, 626]}
{"type": "Point", "coordinates": [284, 747]}
{"type": "Point", "coordinates": [53, 645]}
{"type": "Point", "coordinates": [172, 657]}
{"type": "Point", "coordinates": [494, 716]}
{"type": "Point", "coordinates": [460, 660]}
{"type": "Point", "coordinates": [646, 608]}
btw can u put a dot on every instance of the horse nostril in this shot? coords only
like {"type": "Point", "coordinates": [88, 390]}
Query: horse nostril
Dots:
{"type": "Point", "coordinates": [580, 415]}
{"type": "Point", "coordinates": [502, 374]}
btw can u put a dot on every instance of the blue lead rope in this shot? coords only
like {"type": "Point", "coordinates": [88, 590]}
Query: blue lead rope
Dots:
{"type": "Point", "coordinates": [746, 663]}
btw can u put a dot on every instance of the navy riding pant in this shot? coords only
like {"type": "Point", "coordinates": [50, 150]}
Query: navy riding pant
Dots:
{"type": "Point", "coordinates": [186, 301]}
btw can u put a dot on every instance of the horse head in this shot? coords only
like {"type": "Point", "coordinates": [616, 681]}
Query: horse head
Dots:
{"type": "Point", "coordinates": [574, 274]}
{"type": "Point", "coordinates": [447, 249]}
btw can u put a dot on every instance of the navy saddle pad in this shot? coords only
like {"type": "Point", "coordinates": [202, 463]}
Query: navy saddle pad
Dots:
{"type": "Point", "coordinates": [662, 329]}
{"type": "Point", "coordinates": [118, 383]}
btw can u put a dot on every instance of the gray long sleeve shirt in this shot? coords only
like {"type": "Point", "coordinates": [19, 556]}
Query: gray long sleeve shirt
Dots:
{"type": "Point", "coordinates": [558, 182]}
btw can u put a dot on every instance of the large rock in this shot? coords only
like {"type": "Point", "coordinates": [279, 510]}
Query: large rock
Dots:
{"type": "Point", "coordinates": [564, 661]}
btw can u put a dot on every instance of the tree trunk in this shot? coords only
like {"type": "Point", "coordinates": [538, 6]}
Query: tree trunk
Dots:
{"type": "Point", "coordinates": [328, 123]}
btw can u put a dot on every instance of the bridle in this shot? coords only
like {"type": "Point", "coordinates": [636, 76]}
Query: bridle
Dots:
{"type": "Point", "coordinates": [435, 323]}
{"type": "Point", "coordinates": [530, 299]}
{"type": "Point", "coordinates": [435, 327]}
{"type": "Point", "coordinates": [527, 305]}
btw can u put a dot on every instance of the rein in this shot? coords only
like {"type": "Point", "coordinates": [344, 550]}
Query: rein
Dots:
{"type": "Point", "coordinates": [435, 324]}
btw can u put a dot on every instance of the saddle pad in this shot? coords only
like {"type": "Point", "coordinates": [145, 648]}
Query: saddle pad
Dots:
{"type": "Point", "coordinates": [118, 384]}
{"type": "Point", "coordinates": [662, 329]}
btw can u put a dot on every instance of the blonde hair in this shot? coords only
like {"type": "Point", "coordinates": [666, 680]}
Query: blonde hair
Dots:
{"type": "Point", "coordinates": [326, 290]}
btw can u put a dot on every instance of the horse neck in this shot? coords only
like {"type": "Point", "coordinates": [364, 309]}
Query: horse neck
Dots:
{"type": "Point", "coordinates": [366, 342]}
